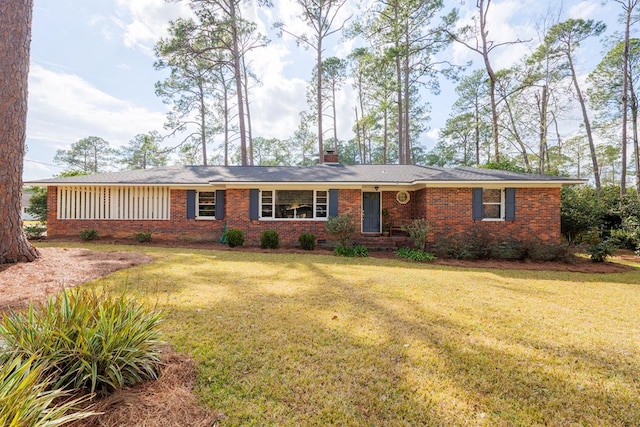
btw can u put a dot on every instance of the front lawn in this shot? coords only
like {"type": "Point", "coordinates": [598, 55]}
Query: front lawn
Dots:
{"type": "Point", "coordinates": [283, 339]}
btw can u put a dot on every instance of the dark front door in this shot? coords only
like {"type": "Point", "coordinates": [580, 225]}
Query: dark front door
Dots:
{"type": "Point", "coordinates": [371, 212]}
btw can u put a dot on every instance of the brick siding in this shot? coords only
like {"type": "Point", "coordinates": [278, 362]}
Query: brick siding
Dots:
{"type": "Point", "coordinates": [448, 211]}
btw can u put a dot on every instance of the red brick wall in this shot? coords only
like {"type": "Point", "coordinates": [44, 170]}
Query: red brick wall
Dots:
{"type": "Point", "coordinates": [448, 210]}
{"type": "Point", "coordinates": [177, 227]}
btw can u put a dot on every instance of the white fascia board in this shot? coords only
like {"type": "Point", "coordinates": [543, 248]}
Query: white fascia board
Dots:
{"type": "Point", "coordinates": [500, 183]}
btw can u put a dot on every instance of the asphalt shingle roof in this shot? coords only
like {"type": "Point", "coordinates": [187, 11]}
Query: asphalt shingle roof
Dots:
{"type": "Point", "coordinates": [329, 173]}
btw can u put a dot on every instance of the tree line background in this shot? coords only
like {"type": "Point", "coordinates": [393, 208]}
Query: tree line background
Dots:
{"type": "Point", "coordinates": [540, 115]}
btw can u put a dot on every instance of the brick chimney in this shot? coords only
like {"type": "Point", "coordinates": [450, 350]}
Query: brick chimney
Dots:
{"type": "Point", "coordinates": [331, 157]}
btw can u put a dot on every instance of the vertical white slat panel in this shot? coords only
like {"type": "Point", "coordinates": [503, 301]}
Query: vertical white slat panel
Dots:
{"type": "Point", "coordinates": [136, 203]}
{"type": "Point", "coordinates": [94, 203]}
{"type": "Point", "coordinates": [165, 204]}
{"type": "Point", "coordinates": [104, 194]}
{"type": "Point", "coordinates": [74, 203]}
{"type": "Point", "coordinates": [168, 203]}
{"type": "Point", "coordinates": [156, 201]}
{"type": "Point", "coordinates": [59, 207]}
{"type": "Point", "coordinates": [125, 203]}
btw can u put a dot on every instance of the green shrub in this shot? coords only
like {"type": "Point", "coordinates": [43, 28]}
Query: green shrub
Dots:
{"type": "Point", "coordinates": [37, 206]}
{"type": "Point", "coordinates": [625, 238]}
{"type": "Point", "coordinates": [25, 399]}
{"type": "Point", "coordinates": [351, 251]}
{"type": "Point", "coordinates": [87, 235]}
{"type": "Point", "coordinates": [509, 250]}
{"type": "Point", "coordinates": [341, 228]}
{"type": "Point", "coordinates": [143, 236]}
{"type": "Point", "coordinates": [87, 341]}
{"type": "Point", "coordinates": [307, 241]}
{"type": "Point", "coordinates": [600, 251]}
{"type": "Point", "coordinates": [269, 239]}
{"type": "Point", "coordinates": [34, 232]}
{"type": "Point", "coordinates": [235, 237]}
{"type": "Point", "coordinates": [417, 230]}
{"type": "Point", "coordinates": [414, 254]}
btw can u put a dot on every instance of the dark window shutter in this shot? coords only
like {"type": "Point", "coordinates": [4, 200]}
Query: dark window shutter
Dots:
{"type": "Point", "coordinates": [191, 204]}
{"type": "Point", "coordinates": [510, 204]}
{"type": "Point", "coordinates": [220, 204]}
{"type": "Point", "coordinates": [333, 202]}
{"type": "Point", "coordinates": [477, 203]}
{"type": "Point", "coordinates": [254, 203]}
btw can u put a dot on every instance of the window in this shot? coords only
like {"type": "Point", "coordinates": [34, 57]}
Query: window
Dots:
{"type": "Point", "coordinates": [294, 204]}
{"type": "Point", "coordinates": [206, 204]}
{"type": "Point", "coordinates": [403, 197]}
{"type": "Point", "coordinates": [492, 203]}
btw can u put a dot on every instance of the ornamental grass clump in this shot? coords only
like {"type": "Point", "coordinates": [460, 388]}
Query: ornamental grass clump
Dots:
{"type": "Point", "coordinates": [86, 341]}
{"type": "Point", "coordinates": [26, 400]}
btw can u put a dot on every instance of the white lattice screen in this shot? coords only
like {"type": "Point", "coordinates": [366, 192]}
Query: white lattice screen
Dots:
{"type": "Point", "coordinates": [142, 203]}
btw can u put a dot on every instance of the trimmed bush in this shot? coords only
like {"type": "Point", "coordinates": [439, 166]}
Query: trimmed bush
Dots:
{"type": "Point", "coordinates": [269, 239]}
{"type": "Point", "coordinates": [34, 232]}
{"type": "Point", "coordinates": [415, 254]}
{"type": "Point", "coordinates": [26, 401]}
{"type": "Point", "coordinates": [307, 241]}
{"type": "Point", "coordinates": [341, 228]}
{"type": "Point", "coordinates": [87, 235]}
{"type": "Point", "coordinates": [142, 237]}
{"type": "Point", "coordinates": [87, 341]}
{"type": "Point", "coordinates": [601, 251]}
{"type": "Point", "coordinates": [235, 237]}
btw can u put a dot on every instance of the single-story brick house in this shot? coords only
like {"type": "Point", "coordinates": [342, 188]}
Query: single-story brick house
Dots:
{"type": "Point", "coordinates": [196, 202]}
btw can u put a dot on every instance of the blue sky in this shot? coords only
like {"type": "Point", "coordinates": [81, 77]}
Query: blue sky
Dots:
{"type": "Point", "coordinates": [92, 68]}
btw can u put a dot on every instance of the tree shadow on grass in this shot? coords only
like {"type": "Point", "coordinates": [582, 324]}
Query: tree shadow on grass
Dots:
{"type": "Point", "coordinates": [332, 352]}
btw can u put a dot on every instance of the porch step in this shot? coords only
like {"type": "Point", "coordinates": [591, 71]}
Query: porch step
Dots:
{"type": "Point", "coordinates": [382, 243]}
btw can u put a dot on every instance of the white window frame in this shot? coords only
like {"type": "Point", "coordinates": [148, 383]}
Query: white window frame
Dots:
{"type": "Point", "coordinates": [205, 217]}
{"type": "Point", "coordinates": [270, 194]}
{"type": "Point", "coordinates": [502, 204]}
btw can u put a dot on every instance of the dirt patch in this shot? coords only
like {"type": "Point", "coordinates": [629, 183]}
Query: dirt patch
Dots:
{"type": "Point", "coordinates": [56, 269]}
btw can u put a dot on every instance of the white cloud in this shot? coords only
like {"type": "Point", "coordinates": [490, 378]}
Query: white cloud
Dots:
{"type": "Point", "coordinates": [64, 108]}
{"type": "Point", "coordinates": [144, 22]}
{"type": "Point", "coordinates": [505, 24]}
{"type": "Point", "coordinates": [584, 10]}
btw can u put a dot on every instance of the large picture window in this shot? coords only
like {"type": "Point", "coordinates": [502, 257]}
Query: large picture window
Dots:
{"type": "Point", "coordinates": [294, 204]}
{"type": "Point", "coordinates": [206, 204]}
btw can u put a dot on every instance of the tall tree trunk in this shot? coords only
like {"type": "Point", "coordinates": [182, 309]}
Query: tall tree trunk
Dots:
{"type": "Point", "coordinates": [15, 24]}
{"type": "Point", "coordinates": [203, 124]}
{"type": "Point", "coordinates": [335, 119]}
{"type": "Point", "coordinates": [385, 137]}
{"type": "Point", "coordinates": [492, 76]}
{"type": "Point", "coordinates": [587, 124]}
{"type": "Point", "coordinates": [319, 100]}
{"type": "Point", "coordinates": [542, 103]}
{"type": "Point", "coordinates": [407, 98]}
{"type": "Point", "coordinates": [246, 100]}
{"type": "Point", "coordinates": [625, 99]}
{"type": "Point", "coordinates": [477, 131]}
{"type": "Point", "coordinates": [358, 137]}
{"type": "Point", "coordinates": [237, 71]}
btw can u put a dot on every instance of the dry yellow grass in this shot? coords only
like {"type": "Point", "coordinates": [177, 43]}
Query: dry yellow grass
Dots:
{"type": "Point", "coordinates": [319, 340]}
